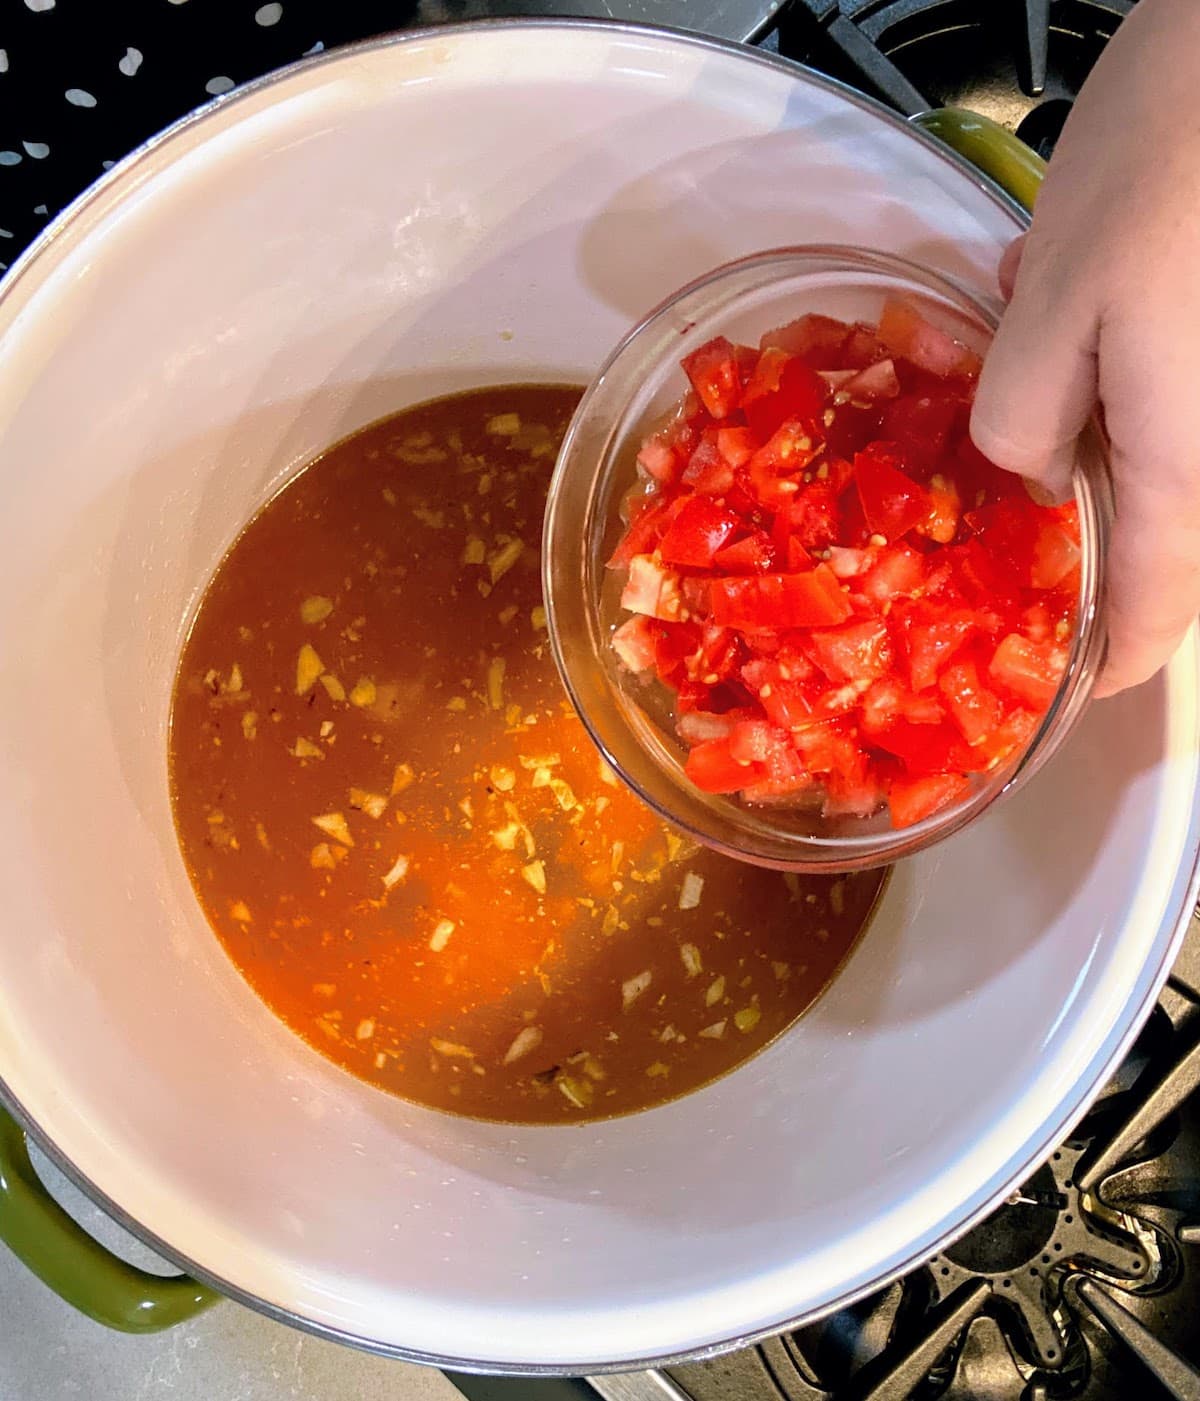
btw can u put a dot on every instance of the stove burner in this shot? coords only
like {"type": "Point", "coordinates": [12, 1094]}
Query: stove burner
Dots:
{"type": "Point", "coordinates": [1083, 1286]}
{"type": "Point", "coordinates": [1020, 64]}
{"type": "Point", "coordinates": [1015, 1234]}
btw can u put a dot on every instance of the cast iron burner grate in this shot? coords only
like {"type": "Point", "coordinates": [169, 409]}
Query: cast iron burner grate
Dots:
{"type": "Point", "coordinates": [1020, 62]}
{"type": "Point", "coordinates": [1083, 1286]}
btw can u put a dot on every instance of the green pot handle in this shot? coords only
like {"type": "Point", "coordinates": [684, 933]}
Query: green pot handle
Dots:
{"type": "Point", "coordinates": [79, 1269]}
{"type": "Point", "coordinates": [989, 147]}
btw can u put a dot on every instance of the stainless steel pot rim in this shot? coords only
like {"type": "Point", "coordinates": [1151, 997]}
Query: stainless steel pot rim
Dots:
{"type": "Point", "coordinates": [1031, 1156]}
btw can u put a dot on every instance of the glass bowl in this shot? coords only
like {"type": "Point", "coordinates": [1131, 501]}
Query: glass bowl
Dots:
{"type": "Point", "coordinates": [630, 719]}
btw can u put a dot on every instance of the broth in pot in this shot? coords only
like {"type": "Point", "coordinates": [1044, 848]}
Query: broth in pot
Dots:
{"type": "Point", "coordinates": [404, 837]}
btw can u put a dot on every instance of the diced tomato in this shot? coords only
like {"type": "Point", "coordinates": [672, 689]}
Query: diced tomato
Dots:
{"type": "Point", "coordinates": [862, 347]}
{"type": "Point", "coordinates": [1013, 733]}
{"type": "Point", "coordinates": [1036, 622]}
{"type": "Point", "coordinates": [983, 578]}
{"type": "Point", "coordinates": [898, 572]}
{"type": "Point", "coordinates": [877, 381]}
{"type": "Point", "coordinates": [707, 473]}
{"type": "Point", "coordinates": [892, 502]}
{"type": "Point", "coordinates": [919, 424]}
{"type": "Point", "coordinates": [651, 589]}
{"type": "Point", "coordinates": [798, 557]}
{"type": "Point", "coordinates": [636, 641]}
{"type": "Point", "coordinates": [814, 599]}
{"type": "Point", "coordinates": [649, 517]}
{"type": "Point", "coordinates": [810, 518]}
{"type": "Point", "coordinates": [713, 769]}
{"type": "Point", "coordinates": [1031, 671]}
{"type": "Point", "coordinates": [974, 708]}
{"type": "Point", "coordinates": [698, 532]}
{"type": "Point", "coordinates": [937, 656]}
{"type": "Point", "coordinates": [911, 800]}
{"type": "Point", "coordinates": [887, 700]}
{"type": "Point", "coordinates": [657, 458]}
{"type": "Point", "coordinates": [689, 695]}
{"type": "Point", "coordinates": [695, 591]}
{"type": "Point", "coordinates": [854, 425]}
{"type": "Point", "coordinates": [857, 652]}
{"type": "Point", "coordinates": [737, 445]}
{"type": "Point", "coordinates": [788, 450]}
{"type": "Point", "coordinates": [753, 555]}
{"type": "Point", "coordinates": [785, 699]}
{"type": "Point", "coordinates": [817, 339]}
{"type": "Point", "coordinates": [906, 332]}
{"type": "Point", "coordinates": [719, 655]}
{"type": "Point", "coordinates": [757, 742]}
{"type": "Point", "coordinates": [782, 389]}
{"type": "Point", "coordinates": [855, 791]}
{"type": "Point", "coordinates": [716, 377]}
{"type": "Point", "coordinates": [924, 748]}
{"type": "Point", "coordinates": [674, 644]}
{"type": "Point", "coordinates": [932, 635]}
{"type": "Point", "coordinates": [826, 748]}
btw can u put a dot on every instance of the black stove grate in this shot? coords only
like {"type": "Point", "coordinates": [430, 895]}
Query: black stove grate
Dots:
{"type": "Point", "coordinates": [1083, 1286]}
{"type": "Point", "coordinates": [1020, 62]}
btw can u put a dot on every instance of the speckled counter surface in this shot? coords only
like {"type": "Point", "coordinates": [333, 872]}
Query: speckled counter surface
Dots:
{"type": "Point", "coordinates": [48, 1352]}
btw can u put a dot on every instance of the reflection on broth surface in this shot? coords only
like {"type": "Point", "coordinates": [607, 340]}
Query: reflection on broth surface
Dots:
{"type": "Point", "coordinates": [403, 836]}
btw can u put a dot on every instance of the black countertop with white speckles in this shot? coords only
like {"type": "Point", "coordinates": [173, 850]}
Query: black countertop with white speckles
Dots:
{"type": "Point", "coordinates": [82, 83]}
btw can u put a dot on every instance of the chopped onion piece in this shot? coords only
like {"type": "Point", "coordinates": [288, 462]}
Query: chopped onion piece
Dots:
{"type": "Point", "coordinates": [373, 804]}
{"type": "Point", "coordinates": [363, 693]}
{"type": "Point", "coordinates": [690, 891]}
{"type": "Point", "coordinates": [578, 1092]}
{"type": "Point", "coordinates": [495, 682]}
{"type": "Point", "coordinates": [632, 988]}
{"type": "Point", "coordinates": [535, 874]}
{"type": "Point", "coordinates": [502, 777]}
{"type": "Point", "coordinates": [441, 934]}
{"type": "Point", "coordinates": [402, 778]}
{"type": "Point", "coordinates": [691, 959]}
{"type": "Point", "coordinates": [308, 668]}
{"type": "Point", "coordinates": [397, 873]}
{"type": "Point", "coordinates": [528, 1039]}
{"type": "Point", "coordinates": [503, 559]}
{"type": "Point", "coordinates": [747, 1018]}
{"type": "Point", "coordinates": [333, 824]}
{"type": "Point", "coordinates": [315, 609]}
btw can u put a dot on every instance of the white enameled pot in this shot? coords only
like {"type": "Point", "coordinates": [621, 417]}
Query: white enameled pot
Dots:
{"type": "Point", "coordinates": [374, 226]}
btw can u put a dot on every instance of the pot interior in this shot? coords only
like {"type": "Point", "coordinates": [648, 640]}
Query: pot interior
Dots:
{"type": "Point", "coordinates": [370, 229]}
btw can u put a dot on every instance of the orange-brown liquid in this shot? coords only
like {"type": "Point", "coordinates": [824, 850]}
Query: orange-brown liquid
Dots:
{"type": "Point", "coordinates": [402, 834]}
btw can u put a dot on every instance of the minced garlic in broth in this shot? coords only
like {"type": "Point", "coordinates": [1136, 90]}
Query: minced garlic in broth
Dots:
{"type": "Point", "coordinates": [402, 834]}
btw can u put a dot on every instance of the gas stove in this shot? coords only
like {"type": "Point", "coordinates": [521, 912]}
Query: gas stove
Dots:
{"type": "Point", "coordinates": [1085, 1284]}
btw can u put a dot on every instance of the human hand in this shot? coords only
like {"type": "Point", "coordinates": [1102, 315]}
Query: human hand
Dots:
{"type": "Point", "coordinates": [1105, 312]}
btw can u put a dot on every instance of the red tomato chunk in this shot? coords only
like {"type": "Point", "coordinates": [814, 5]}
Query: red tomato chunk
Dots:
{"type": "Point", "coordinates": [851, 607]}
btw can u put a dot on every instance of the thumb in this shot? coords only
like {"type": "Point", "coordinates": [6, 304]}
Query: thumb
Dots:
{"type": "Point", "coordinates": [1038, 386]}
